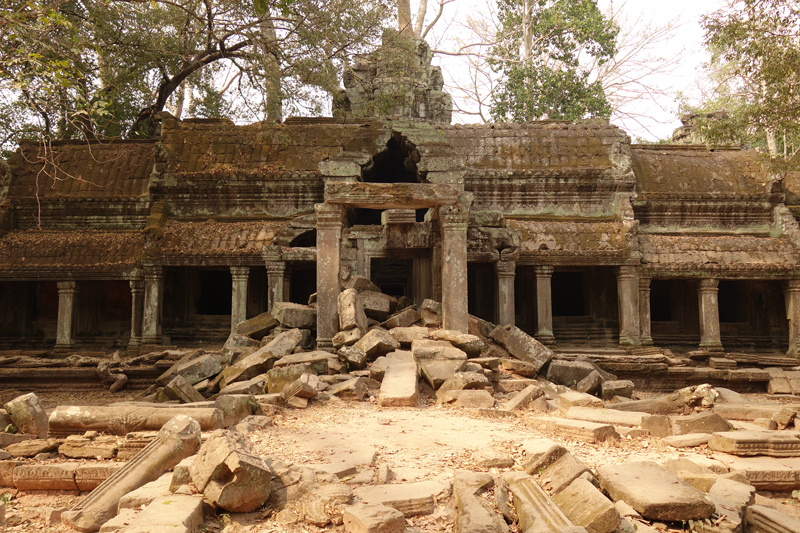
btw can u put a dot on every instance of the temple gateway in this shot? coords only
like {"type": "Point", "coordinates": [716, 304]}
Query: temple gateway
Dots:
{"type": "Point", "coordinates": [565, 229]}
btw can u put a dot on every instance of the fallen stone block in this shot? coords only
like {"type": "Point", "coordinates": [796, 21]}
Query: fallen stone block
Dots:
{"type": "Point", "coordinates": [360, 283]}
{"type": "Point", "coordinates": [535, 508]}
{"type": "Point", "coordinates": [557, 475]}
{"type": "Point", "coordinates": [254, 386]}
{"type": "Point", "coordinates": [27, 415]}
{"type": "Point", "coordinates": [541, 452]}
{"type": "Point", "coordinates": [402, 319]}
{"type": "Point", "coordinates": [262, 360]}
{"type": "Point", "coordinates": [407, 335]}
{"type": "Point", "coordinates": [472, 345]}
{"type": "Point", "coordinates": [377, 342]}
{"type": "Point", "coordinates": [318, 359]}
{"type": "Point", "coordinates": [399, 386]}
{"type": "Point", "coordinates": [411, 499]}
{"type": "Point", "coordinates": [461, 381]}
{"type": "Point", "coordinates": [436, 371]}
{"type": "Point", "coordinates": [377, 369]}
{"type": "Point", "coordinates": [762, 519]}
{"type": "Point", "coordinates": [586, 506]}
{"type": "Point", "coordinates": [522, 368]}
{"type": "Point", "coordinates": [258, 326]}
{"type": "Point", "coordinates": [90, 476]}
{"type": "Point", "coordinates": [123, 419]}
{"type": "Point", "coordinates": [278, 378]}
{"type": "Point", "coordinates": [59, 476]}
{"type": "Point", "coordinates": [178, 513]}
{"type": "Point", "coordinates": [306, 386]}
{"type": "Point", "coordinates": [523, 398]}
{"type": "Point", "coordinates": [431, 312]}
{"type": "Point", "coordinates": [522, 346]}
{"type": "Point", "coordinates": [235, 347]}
{"type": "Point", "coordinates": [590, 384]}
{"type": "Point", "coordinates": [568, 373]}
{"type": "Point", "coordinates": [764, 442]}
{"type": "Point", "coordinates": [491, 458]}
{"type": "Point", "coordinates": [474, 514]}
{"type": "Point", "coordinates": [658, 425]}
{"type": "Point", "coordinates": [433, 349]}
{"type": "Point", "coordinates": [178, 439]}
{"type": "Point", "coordinates": [675, 402]}
{"type": "Point", "coordinates": [193, 369]}
{"type": "Point", "coordinates": [704, 422]}
{"type": "Point", "coordinates": [354, 389]}
{"type": "Point", "coordinates": [351, 312]}
{"type": "Point", "coordinates": [347, 338]}
{"type": "Point", "coordinates": [606, 416]}
{"type": "Point", "coordinates": [691, 440]}
{"type": "Point", "coordinates": [7, 439]}
{"type": "Point", "coordinates": [472, 399]}
{"type": "Point", "coordinates": [147, 493]}
{"type": "Point", "coordinates": [581, 430]}
{"type": "Point", "coordinates": [765, 473]}
{"type": "Point", "coordinates": [228, 476]}
{"type": "Point", "coordinates": [234, 408]}
{"type": "Point", "coordinates": [750, 412]}
{"type": "Point", "coordinates": [654, 492]}
{"type": "Point", "coordinates": [373, 518]}
{"type": "Point", "coordinates": [181, 390]}
{"type": "Point", "coordinates": [622, 388]}
{"type": "Point", "coordinates": [354, 358]}
{"type": "Point", "coordinates": [99, 447]}
{"type": "Point", "coordinates": [783, 419]}
{"type": "Point", "coordinates": [578, 399]}
{"type": "Point", "coordinates": [377, 306]}
{"type": "Point", "coordinates": [49, 515]}
{"type": "Point", "coordinates": [291, 315]}
{"type": "Point", "coordinates": [514, 385]}
{"type": "Point", "coordinates": [33, 447]}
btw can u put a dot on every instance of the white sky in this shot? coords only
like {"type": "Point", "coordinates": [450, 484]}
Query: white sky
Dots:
{"type": "Point", "coordinates": [662, 115]}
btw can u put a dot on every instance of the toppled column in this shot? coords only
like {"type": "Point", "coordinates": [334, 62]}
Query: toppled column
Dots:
{"type": "Point", "coordinates": [534, 506]}
{"type": "Point", "coordinates": [179, 438]}
{"type": "Point", "coordinates": [453, 220]}
{"type": "Point", "coordinates": [124, 419]}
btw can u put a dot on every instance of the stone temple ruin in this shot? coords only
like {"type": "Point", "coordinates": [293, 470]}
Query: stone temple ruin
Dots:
{"type": "Point", "coordinates": [548, 268]}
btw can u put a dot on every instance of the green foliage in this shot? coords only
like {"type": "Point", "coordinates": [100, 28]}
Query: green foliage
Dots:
{"type": "Point", "coordinates": [544, 49]}
{"type": "Point", "coordinates": [755, 68]}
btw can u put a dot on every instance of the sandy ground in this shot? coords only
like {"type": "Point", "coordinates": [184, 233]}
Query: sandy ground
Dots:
{"type": "Point", "coordinates": [415, 443]}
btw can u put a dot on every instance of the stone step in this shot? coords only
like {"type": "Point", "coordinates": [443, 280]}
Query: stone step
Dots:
{"type": "Point", "coordinates": [765, 473]}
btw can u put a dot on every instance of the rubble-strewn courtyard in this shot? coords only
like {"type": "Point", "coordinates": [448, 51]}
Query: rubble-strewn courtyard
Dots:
{"type": "Point", "coordinates": [408, 427]}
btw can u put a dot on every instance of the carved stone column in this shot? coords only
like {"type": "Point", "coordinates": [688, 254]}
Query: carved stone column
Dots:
{"type": "Point", "coordinates": [644, 311]}
{"type": "Point", "coordinates": [66, 311]}
{"type": "Point", "coordinates": [544, 305]}
{"type": "Point", "coordinates": [153, 295]}
{"type": "Point", "coordinates": [329, 236]}
{"type": "Point", "coordinates": [709, 315]}
{"type": "Point", "coordinates": [505, 291]}
{"type": "Point", "coordinates": [137, 309]}
{"type": "Point", "coordinates": [239, 276]}
{"type": "Point", "coordinates": [791, 295]}
{"type": "Point", "coordinates": [628, 296]}
{"type": "Point", "coordinates": [275, 281]}
{"type": "Point", "coordinates": [453, 220]}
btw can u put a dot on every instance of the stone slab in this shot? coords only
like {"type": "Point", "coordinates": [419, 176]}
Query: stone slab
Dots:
{"type": "Point", "coordinates": [535, 508]}
{"type": "Point", "coordinates": [373, 518]}
{"type": "Point", "coordinates": [591, 432]}
{"type": "Point", "coordinates": [400, 386]}
{"type": "Point", "coordinates": [60, 476]}
{"type": "Point", "coordinates": [765, 473]}
{"type": "Point", "coordinates": [762, 519]}
{"type": "Point", "coordinates": [411, 499]}
{"type": "Point", "coordinates": [753, 442]}
{"type": "Point", "coordinates": [586, 506]}
{"type": "Point", "coordinates": [606, 416]}
{"type": "Point", "coordinates": [89, 476]}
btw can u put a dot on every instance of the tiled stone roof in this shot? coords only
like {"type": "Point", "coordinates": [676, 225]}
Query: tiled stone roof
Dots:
{"type": "Point", "coordinates": [720, 252]}
{"type": "Point", "coordinates": [588, 239]}
{"type": "Point", "coordinates": [79, 169]}
{"type": "Point", "coordinates": [215, 239]}
{"type": "Point", "coordinates": [22, 250]}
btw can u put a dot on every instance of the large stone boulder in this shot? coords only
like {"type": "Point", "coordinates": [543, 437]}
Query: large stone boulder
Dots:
{"type": "Point", "coordinates": [377, 305]}
{"type": "Point", "coordinates": [262, 359]}
{"type": "Point", "coordinates": [27, 415]}
{"type": "Point", "coordinates": [258, 326]}
{"type": "Point", "coordinates": [351, 313]}
{"type": "Point", "coordinates": [291, 315]}
{"type": "Point", "coordinates": [376, 343]}
{"type": "Point", "coordinates": [522, 346]}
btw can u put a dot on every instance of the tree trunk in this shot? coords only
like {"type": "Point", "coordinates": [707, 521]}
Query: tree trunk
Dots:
{"type": "Point", "coordinates": [404, 17]}
{"type": "Point", "coordinates": [272, 71]}
{"type": "Point", "coordinates": [772, 143]}
{"type": "Point", "coordinates": [423, 9]}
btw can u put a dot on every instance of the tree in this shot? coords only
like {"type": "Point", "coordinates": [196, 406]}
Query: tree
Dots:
{"type": "Point", "coordinates": [544, 50]}
{"type": "Point", "coordinates": [755, 71]}
{"type": "Point", "coordinates": [118, 63]}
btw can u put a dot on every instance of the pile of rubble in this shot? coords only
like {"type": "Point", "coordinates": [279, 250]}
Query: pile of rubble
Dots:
{"type": "Point", "coordinates": [186, 441]}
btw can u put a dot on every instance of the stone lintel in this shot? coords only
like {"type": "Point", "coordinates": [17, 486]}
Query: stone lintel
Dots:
{"type": "Point", "coordinates": [390, 195]}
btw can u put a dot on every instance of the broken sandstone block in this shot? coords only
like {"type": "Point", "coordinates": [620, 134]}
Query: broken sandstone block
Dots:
{"type": "Point", "coordinates": [586, 506]}
{"type": "Point", "coordinates": [522, 346]}
{"type": "Point", "coordinates": [373, 518]}
{"type": "Point", "coordinates": [27, 415]}
{"type": "Point", "coordinates": [292, 315]}
{"type": "Point", "coordinates": [399, 386]}
{"type": "Point", "coordinates": [377, 342]}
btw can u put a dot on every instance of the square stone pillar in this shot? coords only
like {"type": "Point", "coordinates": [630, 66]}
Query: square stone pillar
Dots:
{"type": "Point", "coordinates": [137, 310]}
{"type": "Point", "coordinates": [453, 220]}
{"type": "Point", "coordinates": [644, 311]}
{"type": "Point", "coordinates": [66, 311]}
{"type": "Point", "coordinates": [239, 275]}
{"type": "Point", "coordinates": [505, 270]}
{"type": "Point", "coordinates": [153, 296]}
{"type": "Point", "coordinates": [544, 305]}
{"type": "Point", "coordinates": [707, 294]}
{"type": "Point", "coordinates": [275, 280]}
{"type": "Point", "coordinates": [329, 235]}
{"type": "Point", "coordinates": [628, 296]}
{"type": "Point", "coordinates": [791, 295]}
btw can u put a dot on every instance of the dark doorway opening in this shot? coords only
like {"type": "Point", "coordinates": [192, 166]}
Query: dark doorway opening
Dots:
{"type": "Point", "coordinates": [215, 292]}
{"type": "Point", "coordinates": [661, 293]}
{"type": "Point", "coordinates": [307, 239]}
{"type": "Point", "coordinates": [568, 293]}
{"type": "Point", "coordinates": [395, 164]}
{"type": "Point", "coordinates": [303, 282]}
{"type": "Point", "coordinates": [481, 296]}
{"type": "Point", "coordinates": [393, 276]}
{"type": "Point", "coordinates": [732, 301]}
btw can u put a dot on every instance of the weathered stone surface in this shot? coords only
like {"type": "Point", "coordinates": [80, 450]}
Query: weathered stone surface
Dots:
{"type": "Point", "coordinates": [373, 518]}
{"type": "Point", "coordinates": [436, 371]}
{"type": "Point", "coordinates": [178, 513]}
{"type": "Point", "coordinates": [431, 312]}
{"type": "Point", "coordinates": [100, 447]}
{"type": "Point", "coordinates": [491, 458]}
{"type": "Point", "coordinates": [590, 384]}
{"type": "Point", "coordinates": [606, 416]}
{"type": "Point", "coordinates": [572, 398]}
{"type": "Point", "coordinates": [234, 408]}
{"type": "Point", "coordinates": [658, 425]}
{"type": "Point", "coordinates": [194, 369]}
{"type": "Point", "coordinates": [360, 284]}
{"type": "Point", "coordinates": [704, 422]}
{"type": "Point", "coordinates": [522, 368]}
{"type": "Point", "coordinates": [351, 312]}
{"type": "Point", "coordinates": [474, 514]}
{"type": "Point", "coordinates": [378, 368]}
{"type": "Point", "coordinates": [675, 402]}
{"type": "Point", "coordinates": [258, 326]}
{"type": "Point", "coordinates": [472, 345]}
{"type": "Point", "coordinates": [7, 472]}
{"type": "Point", "coordinates": [262, 359]}
{"type": "Point", "coordinates": [292, 315]}
{"type": "Point", "coordinates": [514, 385]}
{"type": "Point", "coordinates": [540, 453]}
{"type": "Point", "coordinates": [473, 399]}
{"type": "Point", "coordinates": [731, 499]}
{"type": "Point", "coordinates": [377, 305]}
{"type": "Point", "coordinates": [411, 499]}
{"type": "Point", "coordinates": [178, 439]}
{"type": "Point", "coordinates": [522, 346]}
{"type": "Point", "coordinates": [60, 476]}
{"type": "Point", "coordinates": [433, 349]}
{"type": "Point", "coordinates": [405, 336]}
{"type": "Point", "coordinates": [30, 448]}
{"type": "Point", "coordinates": [279, 377]}
{"type": "Point", "coordinates": [749, 411]}
{"type": "Point", "coordinates": [182, 390]}
{"type": "Point", "coordinates": [399, 386]}
{"type": "Point", "coordinates": [461, 381]}
{"type": "Point", "coordinates": [144, 495]}
{"type": "Point", "coordinates": [765, 473]}
{"type": "Point", "coordinates": [27, 415]}
{"type": "Point", "coordinates": [586, 506]}
{"type": "Point", "coordinates": [377, 342]}
{"type": "Point", "coordinates": [90, 476]}
{"type": "Point", "coordinates": [253, 386]}
{"type": "Point", "coordinates": [306, 386]}
{"type": "Point", "coordinates": [401, 319]}
{"type": "Point", "coordinates": [535, 508]}
{"type": "Point", "coordinates": [347, 337]}
{"type": "Point", "coordinates": [558, 475]}
{"type": "Point", "coordinates": [523, 398]}
{"type": "Point", "coordinates": [622, 388]}
{"type": "Point", "coordinates": [762, 519]}
{"type": "Point", "coordinates": [355, 389]}
{"type": "Point", "coordinates": [354, 358]}
{"type": "Point", "coordinates": [318, 360]}
{"type": "Point", "coordinates": [689, 440]}
{"type": "Point", "coordinates": [229, 476]}
{"type": "Point", "coordinates": [654, 492]}
{"type": "Point", "coordinates": [753, 442]}
{"type": "Point", "coordinates": [12, 438]}
{"type": "Point", "coordinates": [568, 373]}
